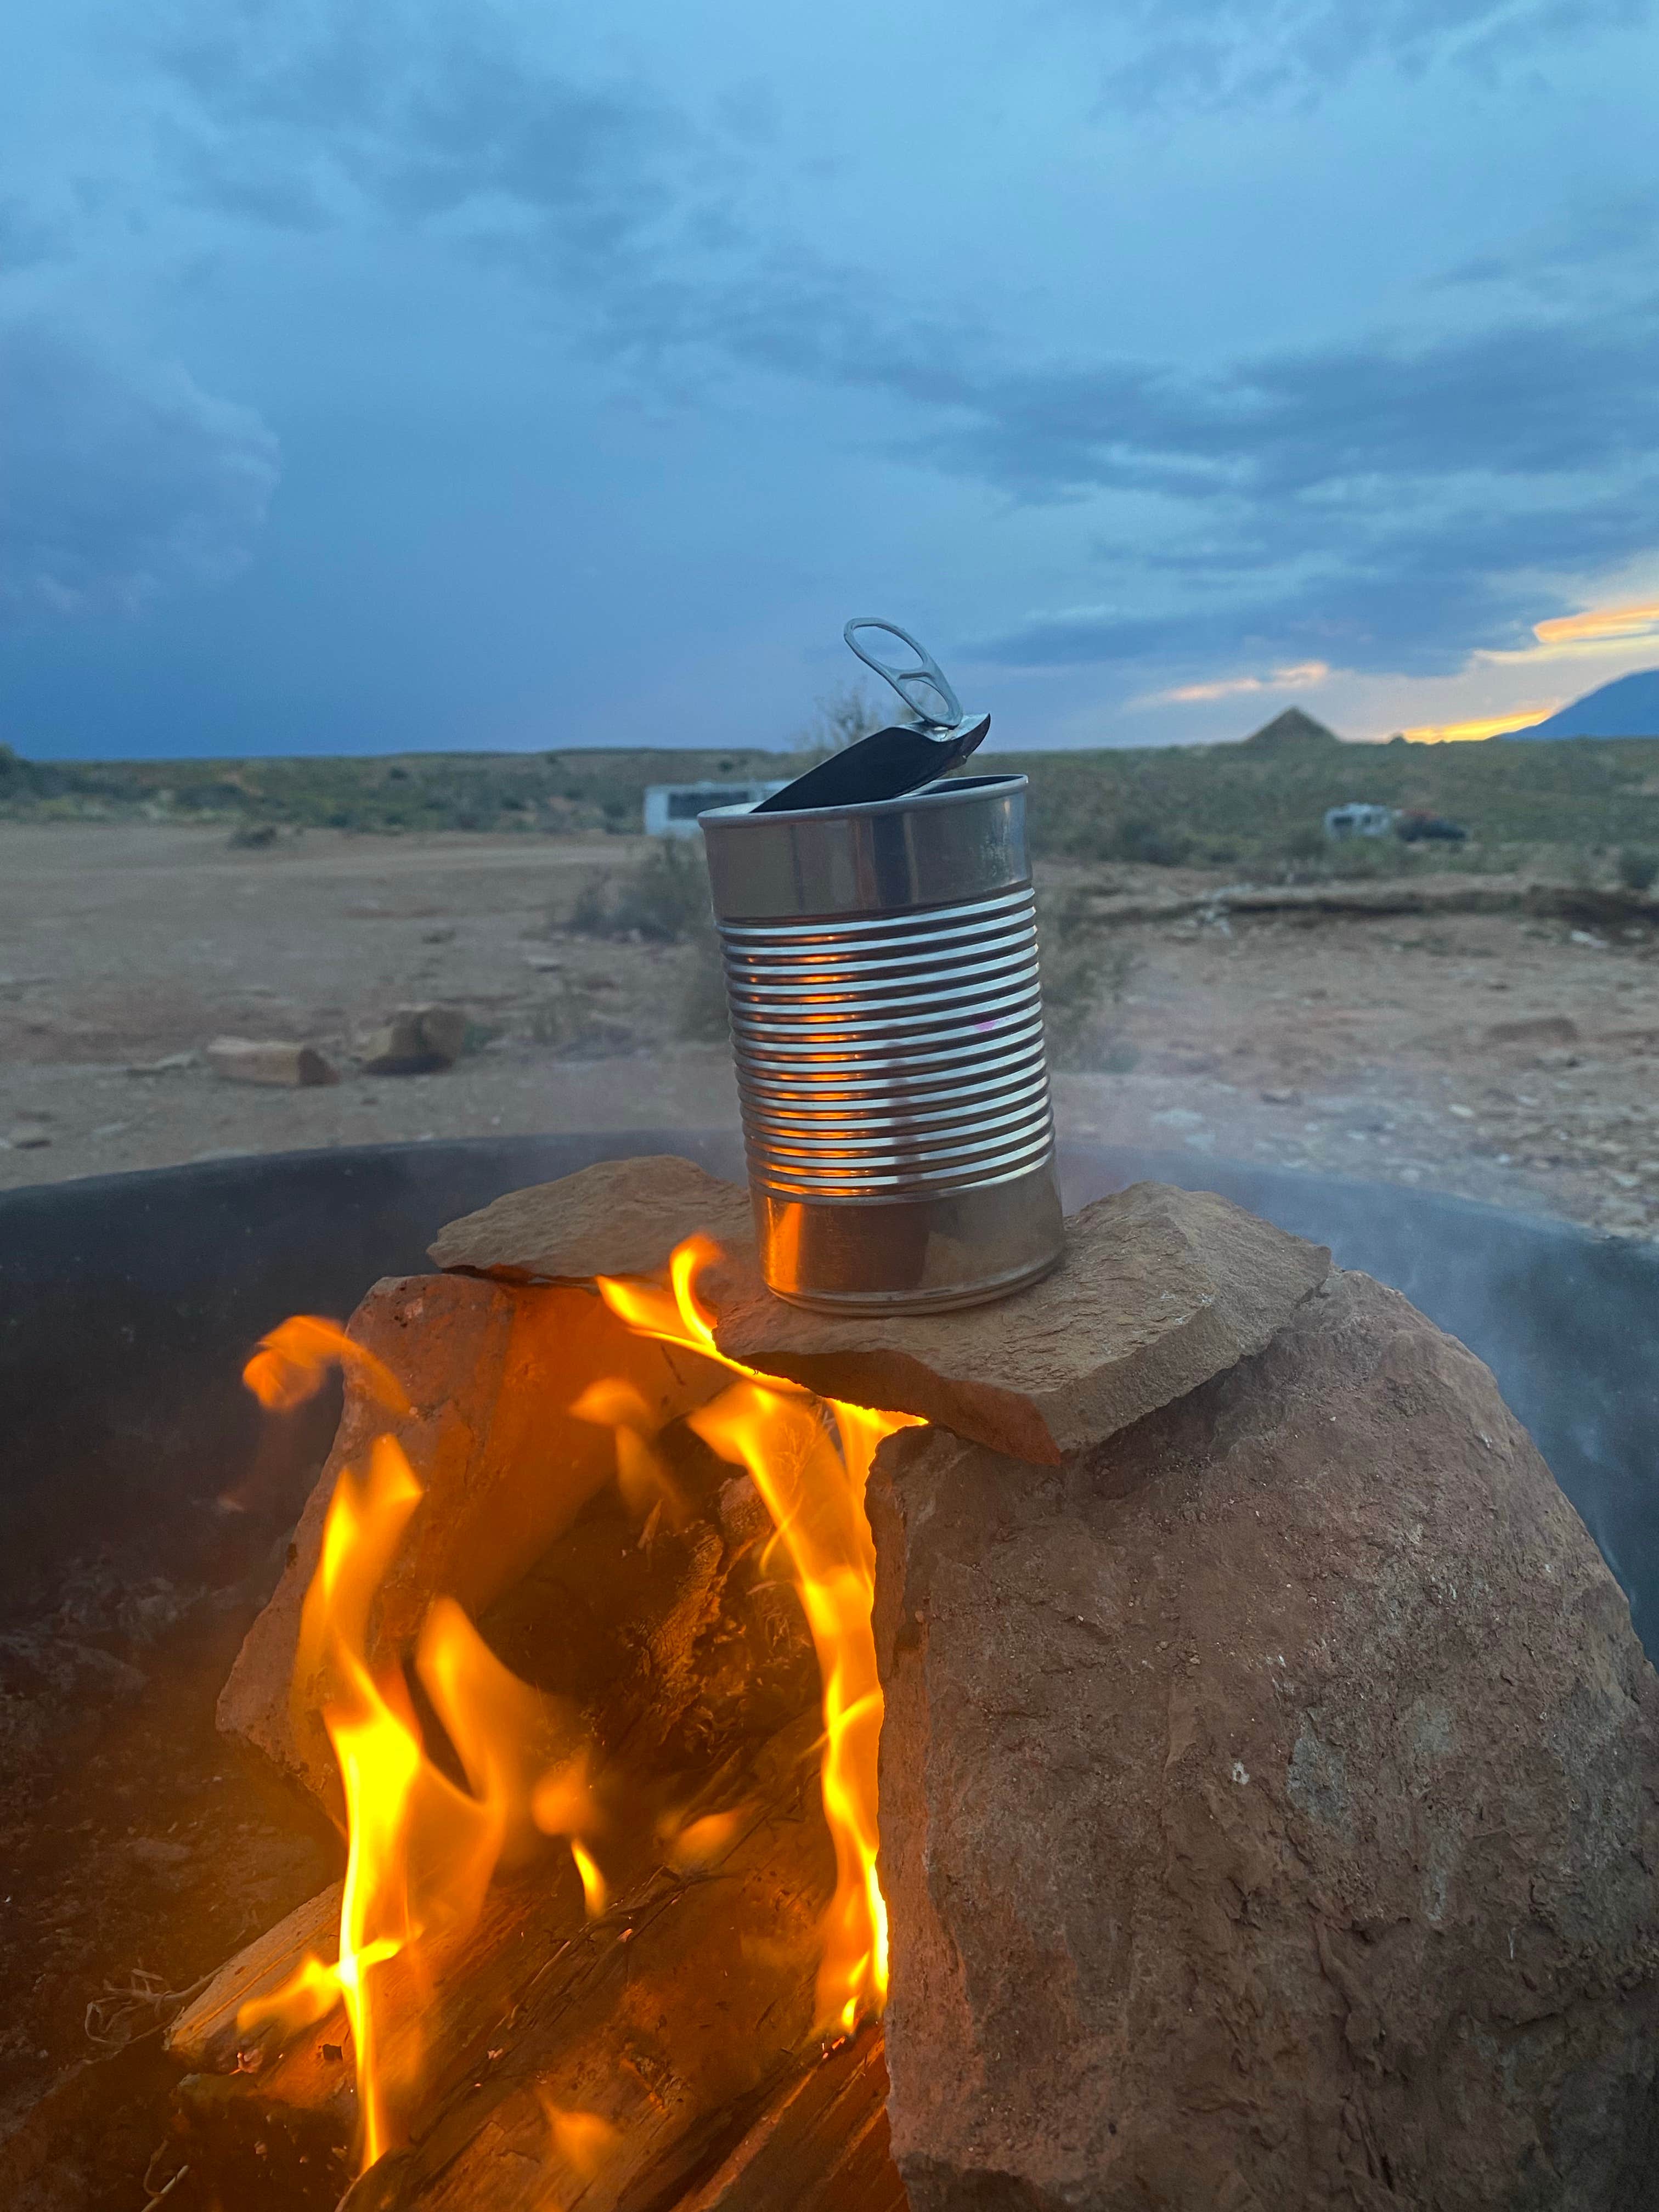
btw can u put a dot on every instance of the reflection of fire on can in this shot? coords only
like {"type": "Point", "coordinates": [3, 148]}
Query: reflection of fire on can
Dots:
{"type": "Point", "coordinates": [881, 974]}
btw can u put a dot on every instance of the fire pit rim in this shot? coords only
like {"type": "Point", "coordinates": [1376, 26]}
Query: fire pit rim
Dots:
{"type": "Point", "coordinates": [172, 1272]}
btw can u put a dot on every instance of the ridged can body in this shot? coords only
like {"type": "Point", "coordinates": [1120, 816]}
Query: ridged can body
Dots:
{"type": "Point", "coordinates": [881, 976]}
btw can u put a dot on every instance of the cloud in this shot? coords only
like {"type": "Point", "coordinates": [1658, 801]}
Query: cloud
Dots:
{"type": "Point", "coordinates": [1379, 504]}
{"type": "Point", "coordinates": [1601, 246]}
{"type": "Point", "coordinates": [1219, 54]}
{"type": "Point", "coordinates": [1300, 677]}
{"type": "Point", "coordinates": [1599, 623]}
{"type": "Point", "coordinates": [1518, 400]}
{"type": "Point", "coordinates": [419, 114]}
{"type": "Point", "coordinates": [123, 482]}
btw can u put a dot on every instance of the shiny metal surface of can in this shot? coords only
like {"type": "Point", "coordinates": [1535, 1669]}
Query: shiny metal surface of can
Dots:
{"type": "Point", "coordinates": [881, 975]}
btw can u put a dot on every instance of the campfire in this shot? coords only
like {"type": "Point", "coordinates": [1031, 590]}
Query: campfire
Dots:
{"type": "Point", "coordinates": [604, 1755]}
{"type": "Point", "coordinates": [1162, 1738]}
{"type": "Point", "coordinates": [853, 1695]}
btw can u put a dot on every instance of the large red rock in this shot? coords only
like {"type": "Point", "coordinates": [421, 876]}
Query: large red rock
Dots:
{"type": "Point", "coordinates": [1269, 1805]}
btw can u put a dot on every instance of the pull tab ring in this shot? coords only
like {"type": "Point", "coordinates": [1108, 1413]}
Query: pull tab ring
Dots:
{"type": "Point", "coordinates": [927, 676]}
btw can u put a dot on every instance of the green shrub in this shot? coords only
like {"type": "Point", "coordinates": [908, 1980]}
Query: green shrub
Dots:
{"type": "Point", "coordinates": [1639, 868]}
{"type": "Point", "coordinates": [566, 1018]}
{"type": "Point", "coordinates": [1358, 859]}
{"type": "Point", "coordinates": [663, 898]}
{"type": "Point", "coordinates": [1154, 844]}
{"type": "Point", "coordinates": [590, 911]}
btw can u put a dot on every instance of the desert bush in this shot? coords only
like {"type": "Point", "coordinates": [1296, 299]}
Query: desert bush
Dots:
{"type": "Point", "coordinates": [1306, 842]}
{"type": "Point", "coordinates": [589, 915]}
{"type": "Point", "coordinates": [663, 898]}
{"type": "Point", "coordinates": [1639, 868]}
{"type": "Point", "coordinates": [1084, 974]}
{"type": "Point", "coordinates": [567, 1019]}
{"type": "Point", "coordinates": [1224, 804]}
{"type": "Point", "coordinates": [1359, 859]}
{"type": "Point", "coordinates": [1154, 844]}
{"type": "Point", "coordinates": [841, 717]}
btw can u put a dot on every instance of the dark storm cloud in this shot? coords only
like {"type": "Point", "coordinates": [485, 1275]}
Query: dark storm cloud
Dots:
{"type": "Point", "coordinates": [1598, 244]}
{"type": "Point", "coordinates": [1220, 53]}
{"type": "Point", "coordinates": [601, 198]}
{"type": "Point", "coordinates": [1379, 506]}
{"type": "Point", "coordinates": [433, 118]}
{"type": "Point", "coordinates": [122, 481]}
{"type": "Point", "coordinates": [1377, 503]}
{"type": "Point", "coordinates": [425, 114]}
{"type": "Point", "coordinates": [1400, 596]}
{"type": "Point", "coordinates": [1519, 400]}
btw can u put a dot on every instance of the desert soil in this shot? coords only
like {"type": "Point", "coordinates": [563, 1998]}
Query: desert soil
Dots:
{"type": "Point", "coordinates": [1507, 1058]}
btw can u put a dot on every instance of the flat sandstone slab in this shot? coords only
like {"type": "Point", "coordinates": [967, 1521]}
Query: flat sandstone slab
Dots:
{"type": "Point", "coordinates": [616, 1218]}
{"type": "Point", "coordinates": [1159, 1290]}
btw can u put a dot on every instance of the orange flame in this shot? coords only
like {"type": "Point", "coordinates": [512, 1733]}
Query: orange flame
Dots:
{"type": "Point", "coordinates": [813, 1483]}
{"type": "Point", "coordinates": [422, 1851]}
{"type": "Point", "coordinates": [288, 1366]}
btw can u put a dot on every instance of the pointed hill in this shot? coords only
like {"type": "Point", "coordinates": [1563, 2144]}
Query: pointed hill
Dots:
{"type": "Point", "coordinates": [1293, 732]}
{"type": "Point", "coordinates": [1626, 708]}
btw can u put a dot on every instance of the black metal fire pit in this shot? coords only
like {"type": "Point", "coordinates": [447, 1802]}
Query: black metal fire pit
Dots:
{"type": "Point", "coordinates": [144, 1506]}
{"type": "Point", "coordinates": [127, 1303]}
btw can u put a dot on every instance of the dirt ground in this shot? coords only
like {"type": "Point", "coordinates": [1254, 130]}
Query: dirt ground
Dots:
{"type": "Point", "coordinates": [1508, 1057]}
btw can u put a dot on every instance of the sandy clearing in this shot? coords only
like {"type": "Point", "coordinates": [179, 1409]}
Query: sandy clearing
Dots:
{"type": "Point", "coordinates": [1373, 1047]}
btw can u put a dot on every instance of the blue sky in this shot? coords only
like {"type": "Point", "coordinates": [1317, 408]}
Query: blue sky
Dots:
{"type": "Point", "coordinates": [406, 373]}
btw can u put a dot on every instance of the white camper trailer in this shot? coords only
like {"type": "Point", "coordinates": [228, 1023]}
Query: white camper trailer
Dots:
{"type": "Point", "coordinates": [672, 809]}
{"type": "Point", "coordinates": [1357, 819]}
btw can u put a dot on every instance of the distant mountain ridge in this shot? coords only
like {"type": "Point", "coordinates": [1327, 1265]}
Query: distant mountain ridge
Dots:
{"type": "Point", "coordinates": [1626, 708]}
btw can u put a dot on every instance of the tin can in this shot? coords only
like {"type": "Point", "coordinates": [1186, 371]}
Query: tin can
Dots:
{"type": "Point", "coordinates": [881, 976]}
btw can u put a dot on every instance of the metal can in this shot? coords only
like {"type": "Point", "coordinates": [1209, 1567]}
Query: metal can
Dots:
{"type": "Point", "coordinates": [881, 976]}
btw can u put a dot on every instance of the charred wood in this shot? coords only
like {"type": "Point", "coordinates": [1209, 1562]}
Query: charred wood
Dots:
{"type": "Point", "coordinates": [616, 2059]}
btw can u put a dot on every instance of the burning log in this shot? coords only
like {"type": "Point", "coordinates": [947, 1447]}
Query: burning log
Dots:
{"type": "Point", "coordinates": [478, 1388]}
{"type": "Point", "coordinates": [547, 2042]}
{"type": "Point", "coordinates": [821, 2145]}
{"type": "Point", "coordinates": [639, 1997]}
{"type": "Point", "coordinates": [643, 2047]}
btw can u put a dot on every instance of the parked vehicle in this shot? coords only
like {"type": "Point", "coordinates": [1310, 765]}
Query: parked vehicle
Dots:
{"type": "Point", "coordinates": [1417, 824]}
{"type": "Point", "coordinates": [1358, 819]}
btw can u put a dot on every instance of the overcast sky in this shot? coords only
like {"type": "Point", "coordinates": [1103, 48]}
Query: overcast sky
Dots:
{"type": "Point", "coordinates": [464, 372]}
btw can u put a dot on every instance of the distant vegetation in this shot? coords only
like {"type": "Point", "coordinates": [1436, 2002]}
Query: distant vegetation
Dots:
{"type": "Point", "coordinates": [553, 793]}
{"type": "Point", "coordinates": [1251, 807]}
{"type": "Point", "coordinates": [1254, 807]}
